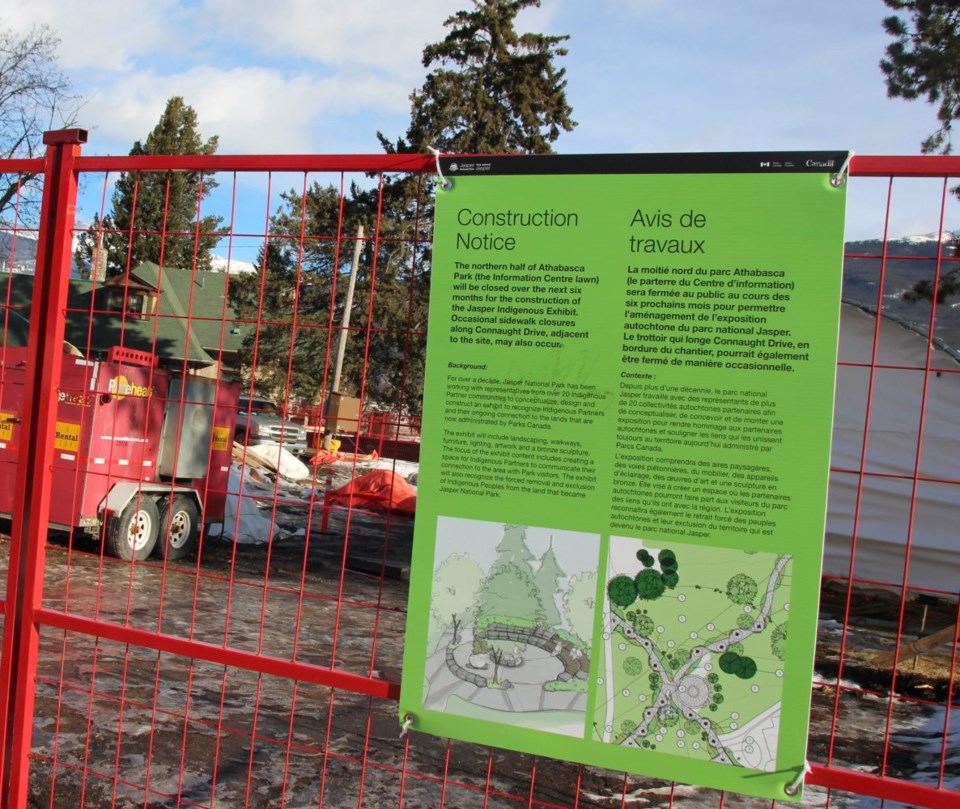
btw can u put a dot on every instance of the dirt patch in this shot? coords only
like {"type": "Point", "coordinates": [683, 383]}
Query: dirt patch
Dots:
{"type": "Point", "coordinates": [128, 726]}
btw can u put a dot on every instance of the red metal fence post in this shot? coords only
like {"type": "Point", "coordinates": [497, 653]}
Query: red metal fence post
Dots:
{"type": "Point", "coordinates": [33, 489]}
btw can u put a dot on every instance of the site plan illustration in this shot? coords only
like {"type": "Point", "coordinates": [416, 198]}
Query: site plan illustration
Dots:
{"type": "Point", "coordinates": [691, 661]}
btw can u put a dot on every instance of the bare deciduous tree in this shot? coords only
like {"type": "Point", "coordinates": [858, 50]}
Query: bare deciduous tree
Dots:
{"type": "Point", "coordinates": [34, 97]}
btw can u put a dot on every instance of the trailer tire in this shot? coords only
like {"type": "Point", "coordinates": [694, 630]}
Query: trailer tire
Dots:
{"type": "Point", "coordinates": [132, 534]}
{"type": "Point", "coordinates": [179, 527]}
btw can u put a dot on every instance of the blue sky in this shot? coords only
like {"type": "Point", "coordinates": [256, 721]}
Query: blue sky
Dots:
{"type": "Point", "coordinates": [295, 76]}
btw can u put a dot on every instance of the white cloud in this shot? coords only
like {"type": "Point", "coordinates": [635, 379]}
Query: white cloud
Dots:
{"type": "Point", "coordinates": [101, 34]}
{"type": "Point", "coordinates": [275, 76]}
{"type": "Point", "coordinates": [294, 75]}
{"type": "Point", "coordinates": [636, 6]}
{"type": "Point", "coordinates": [380, 34]}
{"type": "Point", "coordinates": [253, 110]}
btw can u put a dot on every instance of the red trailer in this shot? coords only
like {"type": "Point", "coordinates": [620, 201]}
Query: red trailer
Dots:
{"type": "Point", "coordinates": [141, 454]}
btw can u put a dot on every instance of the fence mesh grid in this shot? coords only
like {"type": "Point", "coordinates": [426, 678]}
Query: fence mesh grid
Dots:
{"type": "Point", "coordinates": [254, 657]}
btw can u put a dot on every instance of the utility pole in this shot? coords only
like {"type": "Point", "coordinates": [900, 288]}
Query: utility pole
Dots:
{"type": "Point", "coordinates": [344, 327]}
{"type": "Point", "coordinates": [98, 268]}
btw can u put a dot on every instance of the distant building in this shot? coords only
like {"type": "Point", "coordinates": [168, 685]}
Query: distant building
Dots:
{"type": "Point", "coordinates": [181, 316]}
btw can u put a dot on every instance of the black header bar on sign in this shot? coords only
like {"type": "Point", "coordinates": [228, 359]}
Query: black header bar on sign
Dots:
{"type": "Point", "coordinates": [667, 163]}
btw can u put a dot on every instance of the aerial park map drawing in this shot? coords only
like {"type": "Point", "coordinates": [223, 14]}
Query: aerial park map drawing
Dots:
{"type": "Point", "coordinates": [693, 650]}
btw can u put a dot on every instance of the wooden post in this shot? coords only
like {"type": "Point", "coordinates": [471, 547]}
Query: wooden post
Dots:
{"type": "Point", "coordinates": [344, 328]}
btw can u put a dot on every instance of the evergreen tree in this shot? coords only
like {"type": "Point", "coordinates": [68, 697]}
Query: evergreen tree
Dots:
{"type": "Point", "coordinates": [396, 292]}
{"type": "Point", "coordinates": [281, 355]}
{"type": "Point", "coordinates": [287, 303]}
{"type": "Point", "coordinates": [923, 61]}
{"type": "Point", "coordinates": [298, 295]}
{"type": "Point", "coordinates": [491, 89]}
{"type": "Point", "coordinates": [157, 216]}
{"type": "Point", "coordinates": [510, 589]}
{"type": "Point", "coordinates": [547, 578]}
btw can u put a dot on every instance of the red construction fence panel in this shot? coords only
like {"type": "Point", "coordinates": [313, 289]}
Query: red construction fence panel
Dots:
{"type": "Point", "coordinates": [193, 617]}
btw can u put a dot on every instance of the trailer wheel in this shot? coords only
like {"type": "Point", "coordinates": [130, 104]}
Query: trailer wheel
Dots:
{"type": "Point", "coordinates": [132, 534]}
{"type": "Point", "coordinates": [179, 527]}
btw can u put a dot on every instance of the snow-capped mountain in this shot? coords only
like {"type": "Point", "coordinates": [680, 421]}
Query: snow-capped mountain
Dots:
{"type": "Point", "coordinates": [231, 265]}
{"type": "Point", "coordinates": [925, 244]}
{"type": "Point", "coordinates": [18, 251]}
{"type": "Point", "coordinates": [930, 238]}
{"type": "Point", "coordinates": [907, 268]}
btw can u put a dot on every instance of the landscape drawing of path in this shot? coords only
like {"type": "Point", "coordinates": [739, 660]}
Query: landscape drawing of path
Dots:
{"type": "Point", "coordinates": [693, 645]}
{"type": "Point", "coordinates": [511, 624]}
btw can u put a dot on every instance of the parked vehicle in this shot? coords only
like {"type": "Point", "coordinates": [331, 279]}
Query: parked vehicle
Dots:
{"type": "Point", "coordinates": [260, 421]}
{"type": "Point", "coordinates": [141, 455]}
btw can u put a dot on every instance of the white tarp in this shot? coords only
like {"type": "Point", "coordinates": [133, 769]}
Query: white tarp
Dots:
{"type": "Point", "coordinates": [244, 521]}
{"type": "Point", "coordinates": [251, 489]}
{"type": "Point", "coordinates": [895, 459]}
{"type": "Point", "coordinates": [286, 463]}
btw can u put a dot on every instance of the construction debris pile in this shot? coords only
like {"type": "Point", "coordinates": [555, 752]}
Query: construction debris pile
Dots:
{"type": "Point", "coordinates": [273, 495]}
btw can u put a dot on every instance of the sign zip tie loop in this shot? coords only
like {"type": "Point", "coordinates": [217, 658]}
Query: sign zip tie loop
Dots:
{"type": "Point", "coordinates": [445, 184]}
{"type": "Point", "coordinates": [407, 724]}
{"type": "Point", "coordinates": [839, 179]}
{"type": "Point", "coordinates": [793, 788]}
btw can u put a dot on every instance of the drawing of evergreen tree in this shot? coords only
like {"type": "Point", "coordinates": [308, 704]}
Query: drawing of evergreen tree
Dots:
{"type": "Point", "coordinates": [548, 577]}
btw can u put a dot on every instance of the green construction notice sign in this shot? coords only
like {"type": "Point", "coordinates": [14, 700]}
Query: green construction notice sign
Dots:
{"type": "Point", "coordinates": [623, 480]}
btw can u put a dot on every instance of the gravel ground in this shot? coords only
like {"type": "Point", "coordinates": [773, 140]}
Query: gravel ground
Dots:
{"type": "Point", "coordinates": [128, 726]}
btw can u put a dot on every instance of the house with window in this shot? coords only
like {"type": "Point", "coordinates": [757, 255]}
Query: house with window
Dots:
{"type": "Point", "coordinates": [181, 316]}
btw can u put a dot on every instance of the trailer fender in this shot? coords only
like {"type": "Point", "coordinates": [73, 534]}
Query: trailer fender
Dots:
{"type": "Point", "coordinates": [123, 492]}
